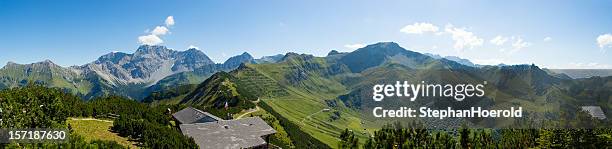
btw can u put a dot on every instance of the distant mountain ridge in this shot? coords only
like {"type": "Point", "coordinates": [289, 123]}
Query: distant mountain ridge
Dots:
{"type": "Point", "coordinates": [583, 73]}
{"type": "Point", "coordinates": [377, 54]}
{"type": "Point", "coordinates": [454, 58]}
{"type": "Point", "coordinates": [147, 65]}
{"type": "Point", "coordinates": [119, 73]}
{"type": "Point", "coordinates": [154, 68]}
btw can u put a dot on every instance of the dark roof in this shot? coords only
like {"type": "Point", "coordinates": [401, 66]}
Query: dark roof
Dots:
{"type": "Point", "coordinates": [594, 111]}
{"type": "Point", "coordinates": [191, 115]}
{"type": "Point", "coordinates": [229, 134]}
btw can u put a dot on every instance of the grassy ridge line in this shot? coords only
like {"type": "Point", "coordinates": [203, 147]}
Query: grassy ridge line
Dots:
{"type": "Point", "coordinates": [300, 138]}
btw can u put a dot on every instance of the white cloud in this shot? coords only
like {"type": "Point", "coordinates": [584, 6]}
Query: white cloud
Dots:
{"type": "Point", "coordinates": [169, 21]}
{"type": "Point", "coordinates": [604, 40]}
{"type": "Point", "coordinates": [591, 65]}
{"type": "Point", "coordinates": [193, 47]}
{"type": "Point", "coordinates": [516, 43]}
{"type": "Point", "coordinates": [160, 30]}
{"type": "Point", "coordinates": [354, 46]}
{"type": "Point", "coordinates": [547, 39]}
{"type": "Point", "coordinates": [419, 28]}
{"type": "Point", "coordinates": [519, 44]}
{"type": "Point", "coordinates": [463, 39]}
{"type": "Point", "coordinates": [154, 36]}
{"type": "Point", "coordinates": [150, 40]}
{"type": "Point", "coordinates": [499, 40]}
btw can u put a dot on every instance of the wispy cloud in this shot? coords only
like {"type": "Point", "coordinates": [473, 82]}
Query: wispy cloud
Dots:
{"type": "Point", "coordinates": [154, 36]}
{"type": "Point", "coordinates": [150, 40]}
{"type": "Point", "coordinates": [419, 28]}
{"type": "Point", "coordinates": [547, 39]}
{"type": "Point", "coordinates": [519, 44]}
{"type": "Point", "coordinates": [516, 42]}
{"type": "Point", "coordinates": [160, 30]}
{"type": "Point", "coordinates": [499, 40]}
{"type": "Point", "coordinates": [354, 46]}
{"type": "Point", "coordinates": [463, 38]}
{"type": "Point", "coordinates": [169, 21]}
{"type": "Point", "coordinates": [604, 40]}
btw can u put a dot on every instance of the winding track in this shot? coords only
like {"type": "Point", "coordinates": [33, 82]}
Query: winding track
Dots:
{"type": "Point", "coordinates": [251, 111]}
{"type": "Point", "coordinates": [307, 117]}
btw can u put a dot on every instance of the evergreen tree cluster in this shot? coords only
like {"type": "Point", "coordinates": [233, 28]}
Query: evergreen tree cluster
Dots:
{"type": "Point", "coordinates": [151, 134]}
{"type": "Point", "coordinates": [348, 140]}
{"type": "Point", "coordinates": [414, 136]}
{"type": "Point", "coordinates": [35, 106]}
{"type": "Point", "coordinates": [75, 142]}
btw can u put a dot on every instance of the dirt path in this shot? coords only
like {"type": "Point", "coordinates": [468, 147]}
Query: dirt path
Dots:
{"type": "Point", "coordinates": [307, 117]}
{"type": "Point", "coordinates": [251, 110]}
{"type": "Point", "coordinates": [91, 119]}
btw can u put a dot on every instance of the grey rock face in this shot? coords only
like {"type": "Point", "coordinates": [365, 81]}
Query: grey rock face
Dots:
{"type": "Point", "coordinates": [270, 59]}
{"type": "Point", "coordinates": [147, 65]}
{"type": "Point", "coordinates": [235, 61]}
{"type": "Point", "coordinates": [190, 59]}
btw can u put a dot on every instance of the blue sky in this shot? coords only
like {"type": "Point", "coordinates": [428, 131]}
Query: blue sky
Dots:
{"type": "Point", "coordinates": [552, 34]}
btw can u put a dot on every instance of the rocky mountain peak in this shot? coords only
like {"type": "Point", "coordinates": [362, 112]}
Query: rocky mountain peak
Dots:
{"type": "Point", "coordinates": [194, 53]}
{"type": "Point", "coordinates": [385, 45]}
{"type": "Point", "coordinates": [235, 61]}
{"type": "Point", "coordinates": [156, 51]}
{"type": "Point", "coordinates": [191, 59]}
{"type": "Point", "coordinates": [376, 54]}
{"type": "Point", "coordinates": [246, 54]}
{"type": "Point", "coordinates": [47, 63]}
{"type": "Point", "coordinates": [10, 63]}
{"type": "Point", "coordinates": [333, 52]}
{"type": "Point", "coordinates": [114, 57]}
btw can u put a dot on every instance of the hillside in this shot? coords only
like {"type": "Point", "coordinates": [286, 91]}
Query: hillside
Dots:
{"type": "Point", "coordinates": [46, 72]}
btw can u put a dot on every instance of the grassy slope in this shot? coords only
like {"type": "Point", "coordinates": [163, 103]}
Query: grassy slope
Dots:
{"type": "Point", "coordinates": [280, 138]}
{"type": "Point", "coordinates": [53, 75]}
{"type": "Point", "coordinates": [92, 129]}
{"type": "Point", "coordinates": [306, 98]}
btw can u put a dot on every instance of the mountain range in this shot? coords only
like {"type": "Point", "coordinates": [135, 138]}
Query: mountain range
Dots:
{"type": "Point", "coordinates": [301, 87]}
{"type": "Point", "coordinates": [156, 68]}
{"type": "Point", "coordinates": [132, 75]}
{"type": "Point", "coordinates": [347, 78]}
